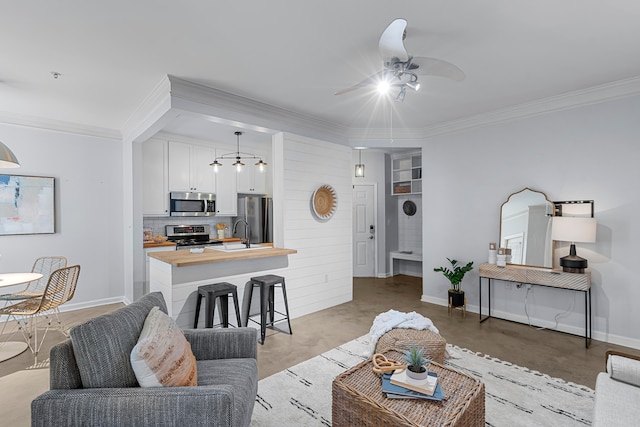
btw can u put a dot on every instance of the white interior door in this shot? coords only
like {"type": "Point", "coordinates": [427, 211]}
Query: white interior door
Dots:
{"type": "Point", "coordinates": [364, 231]}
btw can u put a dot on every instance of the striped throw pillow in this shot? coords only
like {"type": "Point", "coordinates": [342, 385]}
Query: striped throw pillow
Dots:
{"type": "Point", "coordinates": [162, 357]}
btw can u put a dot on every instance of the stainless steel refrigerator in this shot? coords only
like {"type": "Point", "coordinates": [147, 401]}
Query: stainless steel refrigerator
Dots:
{"type": "Point", "coordinates": [258, 212]}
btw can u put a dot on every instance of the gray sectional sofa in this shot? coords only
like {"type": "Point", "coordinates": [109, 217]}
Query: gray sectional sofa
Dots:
{"type": "Point", "coordinates": [617, 400]}
{"type": "Point", "coordinates": [92, 381]}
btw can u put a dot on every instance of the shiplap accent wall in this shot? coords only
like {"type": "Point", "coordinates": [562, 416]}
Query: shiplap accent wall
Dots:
{"type": "Point", "coordinates": [320, 275]}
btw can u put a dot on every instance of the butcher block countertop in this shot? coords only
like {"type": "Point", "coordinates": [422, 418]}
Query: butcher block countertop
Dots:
{"type": "Point", "coordinates": [186, 259]}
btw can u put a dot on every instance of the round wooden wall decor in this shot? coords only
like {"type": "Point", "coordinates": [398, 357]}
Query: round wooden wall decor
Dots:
{"type": "Point", "coordinates": [324, 201]}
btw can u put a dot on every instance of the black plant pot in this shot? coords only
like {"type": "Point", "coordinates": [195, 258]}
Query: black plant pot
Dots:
{"type": "Point", "coordinates": [456, 298]}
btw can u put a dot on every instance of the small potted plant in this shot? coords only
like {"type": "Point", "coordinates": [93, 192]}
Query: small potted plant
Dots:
{"type": "Point", "coordinates": [455, 274]}
{"type": "Point", "coordinates": [416, 369]}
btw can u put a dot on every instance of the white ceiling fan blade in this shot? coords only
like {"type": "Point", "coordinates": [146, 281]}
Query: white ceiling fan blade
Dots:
{"type": "Point", "coordinates": [391, 43]}
{"type": "Point", "coordinates": [372, 80]}
{"type": "Point", "coordinates": [436, 67]}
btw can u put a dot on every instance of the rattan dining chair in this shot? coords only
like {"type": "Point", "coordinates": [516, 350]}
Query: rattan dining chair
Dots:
{"type": "Point", "coordinates": [60, 288]}
{"type": "Point", "coordinates": [34, 289]}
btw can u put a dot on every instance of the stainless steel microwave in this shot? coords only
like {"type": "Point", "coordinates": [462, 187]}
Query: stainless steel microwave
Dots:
{"type": "Point", "coordinates": [192, 203]}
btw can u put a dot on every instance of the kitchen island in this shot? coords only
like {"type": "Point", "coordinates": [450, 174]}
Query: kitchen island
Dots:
{"type": "Point", "coordinates": [177, 274]}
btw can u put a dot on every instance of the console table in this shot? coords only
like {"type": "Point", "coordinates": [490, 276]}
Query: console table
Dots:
{"type": "Point", "coordinates": [540, 277]}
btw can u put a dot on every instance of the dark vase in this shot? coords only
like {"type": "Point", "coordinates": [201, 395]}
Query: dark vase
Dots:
{"type": "Point", "coordinates": [456, 298]}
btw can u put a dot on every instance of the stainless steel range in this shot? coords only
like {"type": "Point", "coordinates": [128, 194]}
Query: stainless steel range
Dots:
{"type": "Point", "coordinates": [190, 236]}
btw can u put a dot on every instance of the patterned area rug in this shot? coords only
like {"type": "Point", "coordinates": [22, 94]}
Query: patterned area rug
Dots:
{"type": "Point", "coordinates": [514, 396]}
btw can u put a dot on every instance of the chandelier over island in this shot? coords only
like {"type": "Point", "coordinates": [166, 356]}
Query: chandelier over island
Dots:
{"type": "Point", "coordinates": [238, 156]}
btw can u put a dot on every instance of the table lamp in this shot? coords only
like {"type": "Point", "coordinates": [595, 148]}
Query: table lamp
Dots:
{"type": "Point", "coordinates": [573, 229]}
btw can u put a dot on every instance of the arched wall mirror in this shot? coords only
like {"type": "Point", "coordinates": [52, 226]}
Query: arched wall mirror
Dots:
{"type": "Point", "coordinates": [525, 228]}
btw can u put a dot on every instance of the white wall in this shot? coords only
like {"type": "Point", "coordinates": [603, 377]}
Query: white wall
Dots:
{"type": "Point", "coordinates": [583, 153]}
{"type": "Point", "coordinates": [580, 154]}
{"type": "Point", "coordinates": [320, 275]}
{"type": "Point", "coordinates": [89, 209]}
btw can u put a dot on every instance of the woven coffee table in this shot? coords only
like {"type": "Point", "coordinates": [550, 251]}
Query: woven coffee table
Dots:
{"type": "Point", "coordinates": [358, 400]}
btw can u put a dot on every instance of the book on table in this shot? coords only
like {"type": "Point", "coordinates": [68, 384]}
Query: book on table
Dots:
{"type": "Point", "coordinates": [428, 386]}
{"type": "Point", "coordinates": [394, 391]}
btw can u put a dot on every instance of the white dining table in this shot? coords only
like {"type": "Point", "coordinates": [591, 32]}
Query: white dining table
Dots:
{"type": "Point", "coordinates": [9, 349]}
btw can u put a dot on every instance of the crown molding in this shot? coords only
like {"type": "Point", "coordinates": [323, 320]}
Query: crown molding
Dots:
{"type": "Point", "coordinates": [148, 119]}
{"type": "Point", "coordinates": [58, 125]}
{"type": "Point", "coordinates": [570, 100]}
{"type": "Point", "coordinates": [173, 95]}
{"type": "Point", "coordinates": [194, 97]}
{"type": "Point", "coordinates": [576, 99]}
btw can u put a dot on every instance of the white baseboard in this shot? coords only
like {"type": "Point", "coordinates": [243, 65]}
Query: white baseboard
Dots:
{"type": "Point", "coordinates": [95, 303]}
{"type": "Point", "coordinates": [569, 329]}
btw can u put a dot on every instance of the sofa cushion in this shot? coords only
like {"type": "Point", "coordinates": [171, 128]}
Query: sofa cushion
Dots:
{"type": "Point", "coordinates": [162, 357]}
{"type": "Point", "coordinates": [102, 345]}
{"type": "Point", "coordinates": [241, 377]}
{"type": "Point", "coordinates": [616, 403]}
{"type": "Point", "coordinates": [624, 369]}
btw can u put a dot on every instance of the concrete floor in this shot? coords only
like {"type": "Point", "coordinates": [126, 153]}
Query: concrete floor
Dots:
{"type": "Point", "coordinates": [554, 353]}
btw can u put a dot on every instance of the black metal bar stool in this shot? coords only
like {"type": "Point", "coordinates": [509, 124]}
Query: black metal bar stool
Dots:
{"type": "Point", "coordinates": [211, 292]}
{"type": "Point", "coordinates": [267, 284]}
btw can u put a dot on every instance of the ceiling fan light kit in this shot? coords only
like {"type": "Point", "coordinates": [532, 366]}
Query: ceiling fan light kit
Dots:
{"type": "Point", "coordinates": [401, 70]}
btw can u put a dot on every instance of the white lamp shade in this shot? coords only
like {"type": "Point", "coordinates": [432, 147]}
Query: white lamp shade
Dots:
{"type": "Point", "coordinates": [7, 158]}
{"type": "Point", "coordinates": [574, 229]}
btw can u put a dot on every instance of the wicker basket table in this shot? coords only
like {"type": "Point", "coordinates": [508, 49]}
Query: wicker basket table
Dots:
{"type": "Point", "coordinates": [433, 344]}
{"type": "Point", "coordinates": [358, 400]}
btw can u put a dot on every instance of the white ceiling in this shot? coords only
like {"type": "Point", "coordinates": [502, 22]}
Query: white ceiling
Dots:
{"type": "Point", "coordinates": [296, 54]}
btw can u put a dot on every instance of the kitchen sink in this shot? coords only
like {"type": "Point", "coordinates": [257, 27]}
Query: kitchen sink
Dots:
{"type": "Point", "coordinates": [235, 247]}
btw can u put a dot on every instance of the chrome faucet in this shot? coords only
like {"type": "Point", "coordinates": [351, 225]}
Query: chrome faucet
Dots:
{"type": "Point", "coordinates": [247, 231]}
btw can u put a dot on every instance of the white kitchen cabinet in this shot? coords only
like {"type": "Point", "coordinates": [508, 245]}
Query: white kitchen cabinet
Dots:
{"type": "Point", "coordinates": [155, 194]}
{"type": "Point", "coordinates": [189, 168]}
{"type": "Point", "coordinates": [251, 180]}
{"type": "Point", "coordinates": [226, 182]}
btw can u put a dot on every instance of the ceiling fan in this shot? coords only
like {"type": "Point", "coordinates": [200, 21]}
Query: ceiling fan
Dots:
{"type": "Point", "coordinates": [401, 70]}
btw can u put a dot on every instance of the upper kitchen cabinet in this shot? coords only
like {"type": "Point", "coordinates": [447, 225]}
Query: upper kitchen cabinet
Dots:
{"type": "Point", "coordinates": [155, 194]}
{"type": "Point", "coordinates": [226, 182]}
{"type": "Point", "coordinates": [406, 174]}
{"type": "Point", "coordinates": [251, 180]}
{"type": "Point", "coordinates": [189, 168]}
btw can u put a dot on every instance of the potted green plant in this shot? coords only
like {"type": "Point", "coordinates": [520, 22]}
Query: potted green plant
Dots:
{"type": "Point", "coordinates": [415, 357]}
{"type": "Point", "coordinates": [455, 274]}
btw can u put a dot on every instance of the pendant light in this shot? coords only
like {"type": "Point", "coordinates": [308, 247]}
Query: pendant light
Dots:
{"type": "Point", "coordinates": [360, 166]}
{"type": "Point", "coordinates": [238, 156]}
{"type": "Point", "coordinates": [7, 158]}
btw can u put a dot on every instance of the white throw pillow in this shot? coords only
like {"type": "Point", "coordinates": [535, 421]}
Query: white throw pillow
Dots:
{"type": "Point", "coordinates": [162, 357]}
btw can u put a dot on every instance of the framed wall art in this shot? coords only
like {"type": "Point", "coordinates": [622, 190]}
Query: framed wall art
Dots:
{"type": "Point", "coordinates": [27, 204]}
